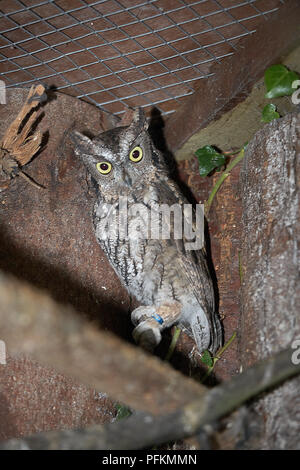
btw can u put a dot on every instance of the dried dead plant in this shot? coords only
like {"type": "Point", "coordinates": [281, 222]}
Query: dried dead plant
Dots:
{"type": "Point", "coordinates": [19, 144]}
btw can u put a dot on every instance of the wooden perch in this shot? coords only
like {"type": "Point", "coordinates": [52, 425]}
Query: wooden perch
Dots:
{"type": "Point", "coordinates": [17, 147]}
{"type": "Point", "coordinates": [141, 430]}
{"type": "Point", "coordinates": [55, 335]}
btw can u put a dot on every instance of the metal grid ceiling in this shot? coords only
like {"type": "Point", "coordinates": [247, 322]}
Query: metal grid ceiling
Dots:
{"type": "Point", "coordinates": [118, 53]}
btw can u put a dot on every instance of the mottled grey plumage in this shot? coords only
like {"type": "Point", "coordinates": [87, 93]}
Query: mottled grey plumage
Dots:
{"type": "Point", "coordinates": [168, 280]}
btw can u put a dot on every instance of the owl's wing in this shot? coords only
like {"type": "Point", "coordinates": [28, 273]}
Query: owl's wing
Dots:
{"type": "Point", "coordinates": [193, 265]}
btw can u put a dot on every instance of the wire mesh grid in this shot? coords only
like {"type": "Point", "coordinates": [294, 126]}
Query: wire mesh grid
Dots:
{"type": "Point", "coordinates": [119, 53]}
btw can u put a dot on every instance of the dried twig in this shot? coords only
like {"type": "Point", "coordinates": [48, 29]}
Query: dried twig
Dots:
{"type": "Point", "coordinates": [17, 147]}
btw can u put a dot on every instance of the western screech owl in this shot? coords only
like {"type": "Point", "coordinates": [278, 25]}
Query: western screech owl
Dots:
{"type": "Point", "coordinates": [172, 283]}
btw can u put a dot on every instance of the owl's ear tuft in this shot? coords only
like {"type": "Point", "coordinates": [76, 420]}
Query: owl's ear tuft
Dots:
{"type": "Point", "coordinates": [82, 142]}
{"type": "Point", "coordinates": [134, 118]}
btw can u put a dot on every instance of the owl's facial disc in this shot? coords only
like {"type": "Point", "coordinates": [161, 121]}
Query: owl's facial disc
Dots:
{"type": "Point", "coordinates": [119, 160]}
{"type": "Point", "coordinates": [123, 171]}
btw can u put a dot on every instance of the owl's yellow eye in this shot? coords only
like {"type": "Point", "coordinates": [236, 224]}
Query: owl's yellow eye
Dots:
{"type": "Point", "coordinates": [136, 154]}
{"type": "Point", "coordinates": [104, 167]}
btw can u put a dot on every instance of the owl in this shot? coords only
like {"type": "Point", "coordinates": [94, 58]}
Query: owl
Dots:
{"type": "Point", "coordinates": [172, 284]}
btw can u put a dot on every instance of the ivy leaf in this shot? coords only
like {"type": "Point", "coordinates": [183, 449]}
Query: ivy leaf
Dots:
{"type": "Point", "coordinates": [207, 359]}
{"type": "Point", "coordinates": [269, 113]}
{"type": "Point", "coordinates": [209, 159]}
{"type": "Point", "coordinates": [279, 80]}
{"type": "Point", "coordinates": [122, 411]}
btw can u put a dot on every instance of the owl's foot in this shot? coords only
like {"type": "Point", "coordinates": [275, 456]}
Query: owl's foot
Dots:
{"type": "Point", "coordinates": [147, 335]}
{"type": "Point", "coordinates": [151, 320]}
{"type": "Point", "coordinates": [142, 313]}
{"type": "Point", "coordinates": [147, 332]}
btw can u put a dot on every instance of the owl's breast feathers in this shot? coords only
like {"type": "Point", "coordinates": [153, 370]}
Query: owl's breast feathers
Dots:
{"type": "Point", "coordinates": [152, 268]}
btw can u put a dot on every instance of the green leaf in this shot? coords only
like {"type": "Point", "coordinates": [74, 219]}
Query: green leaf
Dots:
{"type": "Point", "coordinates": [207, 359]}
{"type": "Point", "coordinates": [122, 411]}
{"type": "Point", "coordinates": [209, 159]}
{"type": "Point", "coordinates": [279, 80]}
{"type": "Point", "coordinates": [269, 113]}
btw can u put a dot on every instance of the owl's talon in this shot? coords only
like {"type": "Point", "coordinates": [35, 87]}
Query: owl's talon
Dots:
{"type": "Point", "coordinates": [146, 335]}
{"type": "Point", "coordinates": [194, 355]}
{"type": "Point", "coordinates": [195, 352]}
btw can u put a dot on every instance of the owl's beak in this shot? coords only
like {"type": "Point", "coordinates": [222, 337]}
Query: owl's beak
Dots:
{"type": "Point", "coordinates": [126, 178]}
